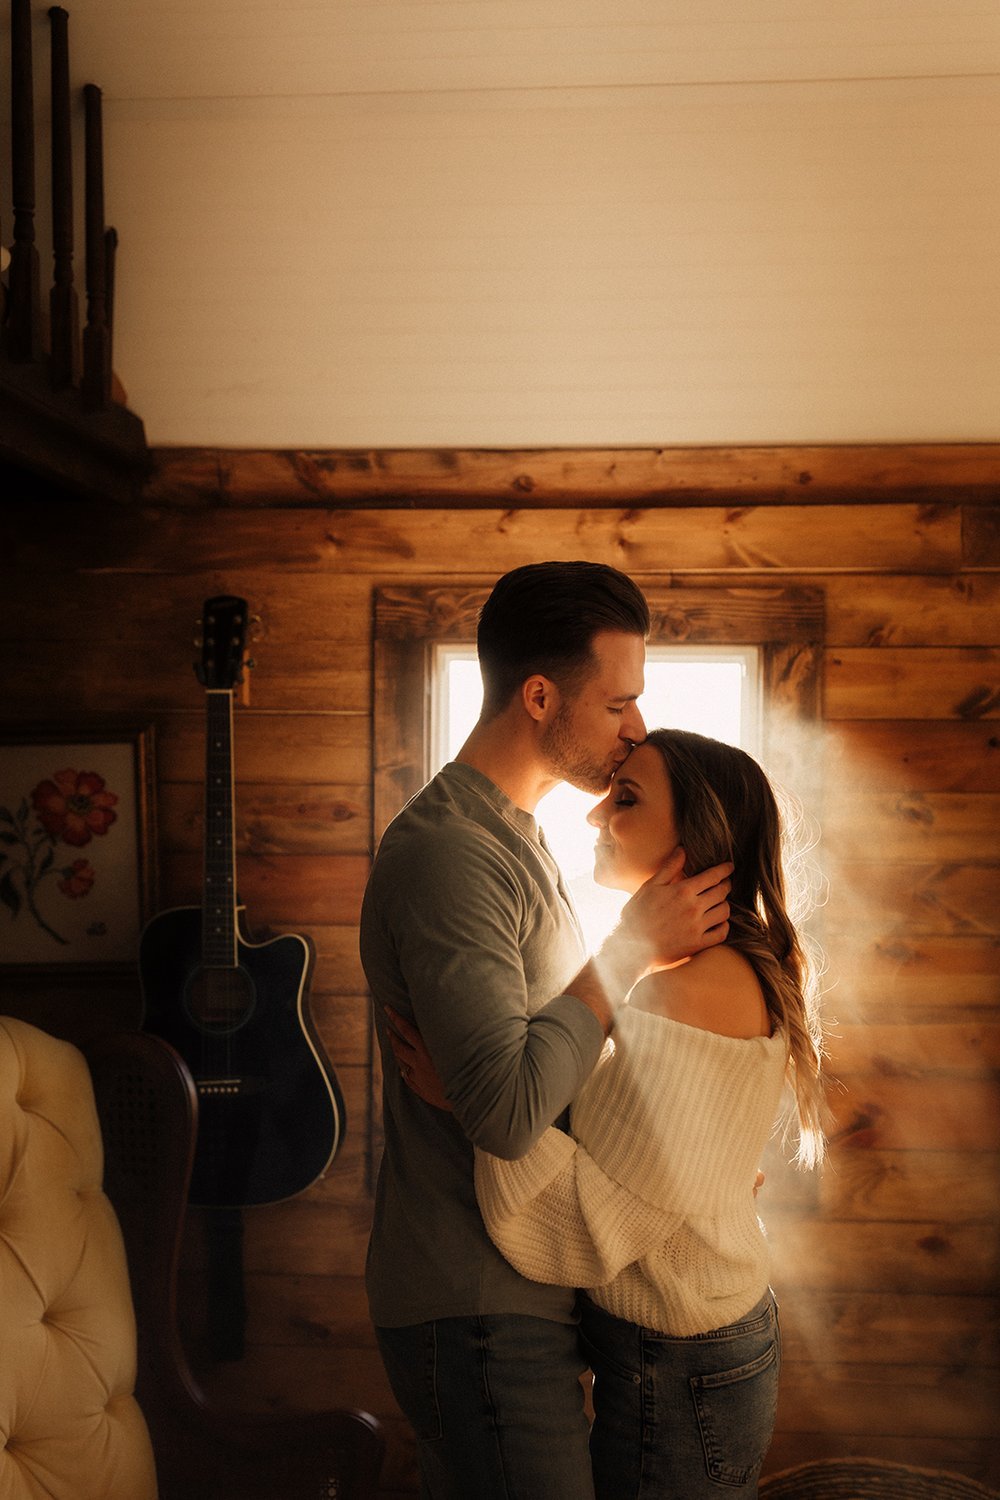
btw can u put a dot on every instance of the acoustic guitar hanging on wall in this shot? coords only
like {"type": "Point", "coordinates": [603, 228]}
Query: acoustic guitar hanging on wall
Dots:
{"type": "Point", "coordinates": [270, 1111]}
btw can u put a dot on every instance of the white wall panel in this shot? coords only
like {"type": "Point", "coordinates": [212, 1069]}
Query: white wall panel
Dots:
{"type": "Point", "coordinates": [745, 263]}
{"type": "Point", "coordinates": [544, 222]}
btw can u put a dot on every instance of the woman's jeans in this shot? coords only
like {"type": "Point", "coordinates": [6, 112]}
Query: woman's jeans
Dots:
{"type": "Point", "coordinates": [496, 1405]}
{"type": "Point", "coordinates": [682, 1418]}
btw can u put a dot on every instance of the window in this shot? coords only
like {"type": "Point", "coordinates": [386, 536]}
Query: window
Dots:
{"type": "Point", "coordinates": [780, 627]}
{"type": "Point", "coordinates": [713, 690]}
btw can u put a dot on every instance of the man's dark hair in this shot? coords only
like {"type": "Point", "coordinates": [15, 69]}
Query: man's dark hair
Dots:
{"type": "Point", "coordinates": [543, 618]}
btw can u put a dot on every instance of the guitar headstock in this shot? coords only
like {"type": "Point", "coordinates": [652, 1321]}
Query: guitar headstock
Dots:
{"type": "Point", "coordinates": [223, 642]}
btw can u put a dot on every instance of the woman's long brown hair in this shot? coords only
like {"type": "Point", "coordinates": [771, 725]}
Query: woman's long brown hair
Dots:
{"type": "Point", "coordinates": [726, 809]}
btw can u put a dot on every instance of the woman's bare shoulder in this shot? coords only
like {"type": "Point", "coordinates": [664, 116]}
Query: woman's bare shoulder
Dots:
{"type": "Point", "coordinates": [716, 990]}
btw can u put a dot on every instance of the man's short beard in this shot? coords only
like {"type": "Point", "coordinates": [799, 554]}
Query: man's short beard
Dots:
{"type": "Point", "coordinates": [569, 760]}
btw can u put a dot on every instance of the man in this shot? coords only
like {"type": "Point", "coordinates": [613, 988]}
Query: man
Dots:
{"type": "Point", "coordinates": [467, 932]}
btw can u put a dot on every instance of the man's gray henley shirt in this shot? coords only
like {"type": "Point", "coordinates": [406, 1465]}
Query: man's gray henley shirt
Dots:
{"type": "Point", "coordinates": [467, 930]}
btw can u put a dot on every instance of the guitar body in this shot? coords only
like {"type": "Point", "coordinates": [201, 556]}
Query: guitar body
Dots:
{"type": "Point", "coordinates": [270, 1112]}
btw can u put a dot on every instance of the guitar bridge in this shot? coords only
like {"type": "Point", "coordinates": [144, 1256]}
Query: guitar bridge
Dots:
{"type": "Point", "coordinates": [218, 1086]}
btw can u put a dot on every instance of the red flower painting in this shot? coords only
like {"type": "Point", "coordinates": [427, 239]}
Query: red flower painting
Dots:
{"type": "Point", "coordinates": [77, 878]}
{"type": "Point", "coordinates": [74, 806]}
{"type": "Point", "coordinates": [70, 807]}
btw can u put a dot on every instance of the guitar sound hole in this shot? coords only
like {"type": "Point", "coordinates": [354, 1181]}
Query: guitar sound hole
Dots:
{"type": "Point", "coordinates": [220, 1000]}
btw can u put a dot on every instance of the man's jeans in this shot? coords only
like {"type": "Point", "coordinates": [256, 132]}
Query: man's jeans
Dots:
{"type": "Point", "coordinates": [682, 1418]}
{"type": "Point", "coordinates": [496, 1405]}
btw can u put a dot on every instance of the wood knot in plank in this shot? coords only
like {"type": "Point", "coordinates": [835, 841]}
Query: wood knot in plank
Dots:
{"type": "Point", "coordinates": [934, 1244]}
{"type": "Point", "coordinates": [977, 704]}
{"type": "Point", "coordinates": [915, 810]}
{"type": "Point", "coordinates": [308, 474]}
{"type": "Point", "coordinates": [675, 623]}
{"type": "Point", "coordinates": [861, 1131]}
{"type": "Point", "coordinates": [898, 952]}
{"type": "Point", "coordinates": [888, 1067]}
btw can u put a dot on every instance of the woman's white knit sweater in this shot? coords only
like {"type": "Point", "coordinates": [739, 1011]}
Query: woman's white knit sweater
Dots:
{"type": "Point", "coordinates": [649, 1204]}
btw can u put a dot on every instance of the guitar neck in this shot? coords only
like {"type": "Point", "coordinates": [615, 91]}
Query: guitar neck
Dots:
{"type": "Point", "coordinates": [218, 927]}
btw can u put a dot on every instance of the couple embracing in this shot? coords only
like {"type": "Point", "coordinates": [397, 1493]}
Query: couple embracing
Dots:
{"type": "Point", "coordinates": [571, 1142]}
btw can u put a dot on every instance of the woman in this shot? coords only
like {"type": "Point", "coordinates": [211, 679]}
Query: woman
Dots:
{"type": "Point", "coordinates": [649, 1204]}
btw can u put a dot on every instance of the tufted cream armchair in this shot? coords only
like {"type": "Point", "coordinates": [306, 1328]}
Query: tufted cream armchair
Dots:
{"type": "Point", "coordinates": [70, 1426]}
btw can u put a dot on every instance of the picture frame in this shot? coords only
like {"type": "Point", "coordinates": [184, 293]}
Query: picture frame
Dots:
{"type": "Point", "coordinates": [77, 843]}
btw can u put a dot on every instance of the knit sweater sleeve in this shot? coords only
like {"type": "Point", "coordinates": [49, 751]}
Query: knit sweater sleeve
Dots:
{"type": "Point", "coordinates": [557, 1217]}
{"type": "Point", "coordinates": [666, 1131]}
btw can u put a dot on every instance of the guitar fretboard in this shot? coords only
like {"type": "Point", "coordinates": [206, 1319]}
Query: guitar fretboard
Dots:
{"type": "Point", "coordinates": [218, 928]}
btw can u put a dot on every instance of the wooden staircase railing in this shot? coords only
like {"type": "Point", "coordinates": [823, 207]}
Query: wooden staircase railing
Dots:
{"type": "Point", "coordinates": [60, 421]}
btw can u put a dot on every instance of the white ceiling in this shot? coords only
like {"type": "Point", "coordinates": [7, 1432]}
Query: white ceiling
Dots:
{"type": "Point", "coordinates": [522, 222]}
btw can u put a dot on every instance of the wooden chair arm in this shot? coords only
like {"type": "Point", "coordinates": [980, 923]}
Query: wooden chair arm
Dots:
{"type": "Point", "coordinates": [148, 1107]}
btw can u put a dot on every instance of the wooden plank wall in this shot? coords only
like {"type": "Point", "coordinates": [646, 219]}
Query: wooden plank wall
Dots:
{"type": "Point", "coordinates": [887, 1274]}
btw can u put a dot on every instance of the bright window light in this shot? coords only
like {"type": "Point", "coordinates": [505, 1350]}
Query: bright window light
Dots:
{"type": "Point", "coordinates": [713, 690]}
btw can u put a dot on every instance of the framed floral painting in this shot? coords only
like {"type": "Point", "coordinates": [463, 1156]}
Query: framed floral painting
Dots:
{"type": "Point", "coordinates": [76, 842]}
